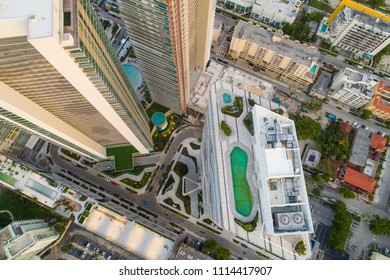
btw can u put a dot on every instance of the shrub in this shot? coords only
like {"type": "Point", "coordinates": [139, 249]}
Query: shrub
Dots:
{"type": "Point", "coordinates": [226, 129]}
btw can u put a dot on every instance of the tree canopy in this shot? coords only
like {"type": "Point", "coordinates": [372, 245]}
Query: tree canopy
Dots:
{"type": "Point", "coordinates": [306, 127]}
{"type": "Point", "coordinates": [347, 193]}
{"type": "Point", "coordinates": [380, 226]}
{"type": "Point", "coordinates": [210, 246]}
{"type": "Point", "coordinates": [366, 114]}
{"type": "Point", "coordinates": [314, 105]}
{"type": "Point", "coordinates": [333, 141]}
{"type": "Point", "coordinates": [341, 227]}
{"type": "Point", "coordinates": [223, 254]}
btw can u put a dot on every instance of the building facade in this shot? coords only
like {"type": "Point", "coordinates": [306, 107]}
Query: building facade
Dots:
{"type": "Point", "coordinates": [379, 105]}
{"type": "Point", "coordinates": [61, 80]}
{"type": "Point", "coordinates": [23, 240]}
{"type": "Point", "coordinates": [353, 88]}
{"type": "Point", "coordinates": [170, 39]}
{"type": "Point", "coordinates": [357, 31]}
{"type": "Point", "coordinates": [274, 52]}
{"type": "Point", "coordinates": [276, 12]}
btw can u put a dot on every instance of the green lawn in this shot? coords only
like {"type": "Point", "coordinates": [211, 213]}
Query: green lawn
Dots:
{"type": "Point", "coordinates": [8, 179]}
{"type": "Point", "coordinates": [22, 208]}
{"type": "Point", "coordinates": [136, 184]}
{"type": "Point", "coordinates": [123, 157]}
{"type": "Point", "coordinates": [155, 107]}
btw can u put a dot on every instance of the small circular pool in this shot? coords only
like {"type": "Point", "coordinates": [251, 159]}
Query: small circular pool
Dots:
{"type": "Point", "coordinates": [227, 98]}
{"type": "Point", "coordinates": [159, 120]}
{"type": "Point", "coordinates": [134, 75]}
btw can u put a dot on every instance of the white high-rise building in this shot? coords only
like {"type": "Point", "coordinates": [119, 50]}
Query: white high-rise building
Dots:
{"type": "Point", "coordinates": [61, 80]}
{"type": "Point", "coordinates": [23, 240]}
{"type": "Point", "coordinates": [353, 88]}
{"type": "Point", "coordinates": [253, 172]}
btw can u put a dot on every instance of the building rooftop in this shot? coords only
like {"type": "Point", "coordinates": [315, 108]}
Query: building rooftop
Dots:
{"type": "Point", "coordinates": [321, 86]}
{"type": "Point", "coordinates": [355, 81]}
{"type": "Point", "coordinates": [378, 142]}
{"type": "Point", "coordinates": [360, 148]}
{"type": "Point", "coordinates": [280, 181]}
{"type": "Point", "coordinates": [366, 19]}
{"type": "Point", "coordinates": [359, 180]}
{"type": "Point", "coordinates": [346, 127]}
{"type": "Point", "coordinates": [34, 19]}
{"type": "Point", "coordinates": [301, 53]}
{"type": "Point", "coordinates": [312, 158]}
{"type": "Point", "coordinates": [381, 104]}
{"type": "Point", "coordinates": [287, 7]}
{"type": "Point", "coordinates": [186, 252]}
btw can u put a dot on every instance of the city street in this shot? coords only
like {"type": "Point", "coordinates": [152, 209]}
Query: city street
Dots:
{"type": "Point", "coordinates": [164, 216]}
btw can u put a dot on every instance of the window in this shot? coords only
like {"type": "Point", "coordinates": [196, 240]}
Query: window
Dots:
{"type": "Point", "coordinates": [67, 18]}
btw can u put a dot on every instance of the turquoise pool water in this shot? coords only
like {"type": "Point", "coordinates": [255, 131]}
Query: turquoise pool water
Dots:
{"type": "Point", "coordinates": [41, 189]}
{"type": "Point", "coordinates": [324, 27]}
{"type": "Point", "coordinates": [313, 69]}
{"type": "Point", "coordinates": [243, 198]}
{"type": "Point", "coordinates": [227, 98]}
{"type": "Point", "coordinates": [134, 75]}
{"type": "Point", "coordinates": [158, 118]}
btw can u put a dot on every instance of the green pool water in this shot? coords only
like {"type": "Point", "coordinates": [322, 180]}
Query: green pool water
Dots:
{"type": "Point", "coordinates": [243, 198]}
{"type": "Point", "coordinates": [8, 179]}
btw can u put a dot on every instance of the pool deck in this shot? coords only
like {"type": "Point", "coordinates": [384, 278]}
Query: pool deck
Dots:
{"type": "Point", "coordinates": [24, 177]}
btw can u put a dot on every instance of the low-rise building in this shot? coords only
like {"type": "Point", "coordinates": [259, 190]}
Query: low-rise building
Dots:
{"type": "Point", "coordinates": [217, 28]}
{"type": "Point", "coordinates": [321, 86]}
{"type": "Point", "coordinates": [276, 12]}
{"type": "Point", "coordinates": [360, 147]}
{"type": "Point", "coordinates": [275, 52]}
{"type": "Point", "coordinates": [23, 240]}
{"type": "Point", "coordinates": [379, 105]}
{"type": "Point", "coordinates": [189, 253]}
{"type": "Point", "coordinates": [359, 180]}
{"type": "Point", "coordinates": [353, 88]}
{"type": "Point", "coordinates": [240, 6]}
{"type": "Point", "coordinates": [357, 32]}
{"type": "Point", "coordinates": [378, 143]}
{"type": "Point", "coordinates": [312, 158]}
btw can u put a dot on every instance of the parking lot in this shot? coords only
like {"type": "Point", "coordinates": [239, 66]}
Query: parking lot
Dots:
{"type": "Point", "coordinates": [79, 243]}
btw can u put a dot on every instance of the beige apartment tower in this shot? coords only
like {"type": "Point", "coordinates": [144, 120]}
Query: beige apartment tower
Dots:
{"type": "Point", "coordinates": [171, 39]}
{"type": "Point", "coordinates": [61, 80]}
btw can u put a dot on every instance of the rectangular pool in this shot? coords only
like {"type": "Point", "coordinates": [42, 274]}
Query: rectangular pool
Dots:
{"type": "Point", "coordinates": [49, 193]}
{"type": "Point", "coordinates": [8, 179]}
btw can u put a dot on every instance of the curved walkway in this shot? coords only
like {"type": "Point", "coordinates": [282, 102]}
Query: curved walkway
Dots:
{"type": "Point", "coordinates": [9, 213]}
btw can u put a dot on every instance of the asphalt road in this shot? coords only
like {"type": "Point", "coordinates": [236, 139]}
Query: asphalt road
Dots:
{"type": "Point", "coordinates": [164, 216]}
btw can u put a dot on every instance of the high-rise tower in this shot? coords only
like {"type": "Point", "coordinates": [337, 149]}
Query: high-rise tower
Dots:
{"type": "Point", "coordinates": [171, 38]}
{"type": "Point", "coordinates": [60, 78]}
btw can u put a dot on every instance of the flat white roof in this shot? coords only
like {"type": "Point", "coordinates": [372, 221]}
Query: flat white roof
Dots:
{"type": "Point", "coordinates": [27, 17]}
{"type": "Point", "coordinates": [277, 163]}
{"type": "Point", "coordinates": [129, 235]}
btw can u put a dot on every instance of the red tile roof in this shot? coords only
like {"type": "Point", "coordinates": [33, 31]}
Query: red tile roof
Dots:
{"type": "Point", "coordinates": [359, 180]}
{"type": "Point", "coordinates": [379, 105]}
{"type": "Point", "coordinates": [378, 142]}
{"type": "Point", "coordinates": [346, 127]}
{"type": "Point", "coordinates": [382, 87]}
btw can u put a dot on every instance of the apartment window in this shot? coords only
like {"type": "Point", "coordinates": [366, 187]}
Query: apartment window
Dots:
{"type": "Point", "coordinates": [67, 17]}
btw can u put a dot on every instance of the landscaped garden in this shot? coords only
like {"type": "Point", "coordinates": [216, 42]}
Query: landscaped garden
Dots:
{"type": "Point", "coordinates": [236, 109]}
{"type": "Point", "coordinates": [22, 208]}
{"type": "Point", "coordinates": [137, 184]}
{"type": "Point", "coordinates": [160, 138]}
{"type": "Point", "coordinates": [226, 128]}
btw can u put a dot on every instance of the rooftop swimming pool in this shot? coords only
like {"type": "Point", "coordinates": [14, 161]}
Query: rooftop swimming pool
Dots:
{"type": "Point", "coordinates": [134, 75]}
{"type": "Point", "coordinates": [49, 193]}
{"type": "Point", "coordinates": [313, 69]}
{"type": "Point", "coordinates": [8, 179]}
{"type": "Point", "coordinates": [324, 27]}
{"type": "Point", "coordinates": [227, 98]}
{"type": "Point", "coordinates": [158, 118]}
{"type": "Point", "coordinates": [243, 197]}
